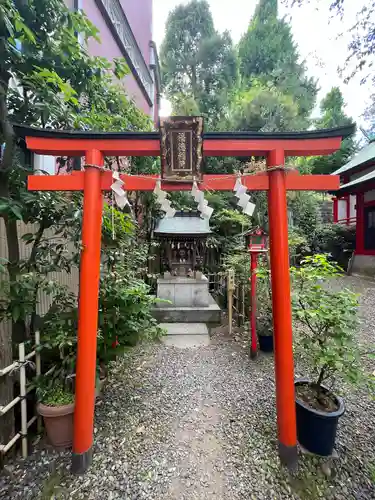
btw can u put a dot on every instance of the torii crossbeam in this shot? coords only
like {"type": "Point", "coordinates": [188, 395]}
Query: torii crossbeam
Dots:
{"type": "Point", "coordinates": [93, 181]}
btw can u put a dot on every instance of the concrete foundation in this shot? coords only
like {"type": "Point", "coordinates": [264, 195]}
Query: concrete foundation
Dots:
{"type": "Point", "coordinates": [363, 264]}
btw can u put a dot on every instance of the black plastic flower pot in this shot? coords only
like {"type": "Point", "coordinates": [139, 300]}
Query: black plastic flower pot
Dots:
{"type": "Point", "coordinates": [316, 430]}
{"type": "Point", "coordinates": [266, 343]}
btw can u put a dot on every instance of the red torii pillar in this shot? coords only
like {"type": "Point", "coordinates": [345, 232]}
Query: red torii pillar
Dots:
{"type": "Point", "coordinates": [94, 180]}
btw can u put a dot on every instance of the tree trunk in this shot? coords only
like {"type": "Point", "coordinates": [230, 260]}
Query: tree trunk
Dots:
{"type": "Point", "coordinates": [6, 382]}
{"type": "Point", "coordinates": [6, 331]}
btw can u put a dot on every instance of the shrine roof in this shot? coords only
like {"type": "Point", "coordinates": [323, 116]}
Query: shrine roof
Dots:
{"type": "Point", "coordinates": [183, 223]}
{"type": "Point", "coordinates": [23, 131]}
{"type": "Point", "coordinates": [365, 157]}
{"type": "Point", "coordinates": [357, 184]}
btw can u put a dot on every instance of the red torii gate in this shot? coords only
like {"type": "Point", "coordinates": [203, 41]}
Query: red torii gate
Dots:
{"type": "Point", "coordinates": [94, 180]}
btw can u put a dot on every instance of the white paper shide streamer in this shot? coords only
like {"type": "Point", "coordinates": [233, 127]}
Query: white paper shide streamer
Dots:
{"type": "Point", "coordinates": [162, 199]}
{"type": "Point", "coordinates": [243, 198]}
{"type": "Point", "coordinates": [203, 207]}
{"type": "Point", "coordinates": [118, 191]}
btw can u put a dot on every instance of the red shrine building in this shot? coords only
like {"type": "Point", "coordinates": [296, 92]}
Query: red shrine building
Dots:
{"type": "Point", "coordinates": [354, 204]}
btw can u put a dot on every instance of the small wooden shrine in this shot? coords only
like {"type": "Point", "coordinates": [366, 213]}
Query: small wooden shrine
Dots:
{"type": "Point", "coordinates": [182, 240]}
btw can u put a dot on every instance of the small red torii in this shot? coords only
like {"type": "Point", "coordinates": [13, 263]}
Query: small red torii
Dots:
{"type": "Point", "coordinates": [93, 181]}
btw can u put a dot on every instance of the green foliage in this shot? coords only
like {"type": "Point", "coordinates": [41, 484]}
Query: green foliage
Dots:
{"type": "Point", "coordinates": [332, 109]}
{"type": "Point", "coordinates": [268, 54]}
{"type": "Point", "coordinates": [263, 107]}
{"type": "Point", "coordinates": [264, 299]}
{"type": "Point", "coordinates": [198, 64]}
{"type": "Point", "coordinates": [329, 319]}
{"type": "Point", "coordinates": [298, 246]}
{"type": "Point", "coordinates": [116, 224]}
{"type": "Point", "coordinates": [369, 116]}
{"type": "Point", "coordinates": [304, 207]}
{"type": "Point", "coordinates": [239, 261]}
{"type": "Point", "coordinates": [47, 78]}
{"type": "Point", "coordinates": [124, 312]}
{"type": "Point", "coordinates": [335, 239]}
{"type": "Point", "coordinates": [54, 393]}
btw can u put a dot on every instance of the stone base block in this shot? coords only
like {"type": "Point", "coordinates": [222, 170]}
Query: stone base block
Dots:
{"type": "Point", "coordinates": [364, 264]}
{"type": "Point", "coordinates": [183, 292]}
{"type": "Point", "coordinates": [210, 314]}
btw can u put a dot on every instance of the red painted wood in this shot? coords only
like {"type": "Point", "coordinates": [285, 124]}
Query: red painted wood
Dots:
{"type": "Point", "coordinates": [291, 147]}
{"type": "Point", "coordinates": [88, 313]}
{"type": "Point", "coordinates": [259, 182]}
{"type": "Point", "coordinates": [94, 157]}
{"type": "Point", "coordinates": [253, 303]}
{"type": "Point", "coordinates": [281, 307]}
{"type": "Point", "coordinates": [211, 147]}
{"type": "Point", "coordinates": [347, 198]}
{"type": "Point", "coordinates": [68, 182]}
{"type": "Point", "coordinates": [365, 252]}
{"type": "Point", "coordinates": [78, 147]}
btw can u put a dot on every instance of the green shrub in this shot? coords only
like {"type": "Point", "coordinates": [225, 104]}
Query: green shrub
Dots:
{"type": "Point", "coordinates": [54, 393]}
{"type": "Point", "coordinates": [124, 313]}
{"type": "Point", "coordinates": [335, 239]}
{"type": "Point", "coordinates": [264, 300]}
{"type": "Point", "coordinates": [329, 318]}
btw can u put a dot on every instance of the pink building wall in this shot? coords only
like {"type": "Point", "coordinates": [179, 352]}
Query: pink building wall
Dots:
{"type": "Point", "coordinates": [109, 48]}
{"type": "Point", "coordinates": [140, 20]}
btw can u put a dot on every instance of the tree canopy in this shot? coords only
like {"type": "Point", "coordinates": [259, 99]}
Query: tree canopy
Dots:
{"type": "Point", "coordinates": [332, 109]}
{"type": "Point", "coordinates": [198, 63]}
{"type": "Point", "coordinates": [268, 53]}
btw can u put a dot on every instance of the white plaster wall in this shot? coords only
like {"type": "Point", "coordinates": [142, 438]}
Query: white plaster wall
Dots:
{"type": "Point", "coordinates": [341, 209]}
{"type": "Point", "coordinates": [353, 210]}
{"type": "Point", "coordinates": [46, 163]}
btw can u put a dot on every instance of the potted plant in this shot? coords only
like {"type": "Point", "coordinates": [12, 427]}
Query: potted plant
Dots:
{"type": "Point", "coordinates": [327, 345]}
{"type": "Point", "coordinates": [55, 392]}
{"type": "Point", "coordinates": [56, 406]}
{"type": "Point", "coordinates": [264, 309]}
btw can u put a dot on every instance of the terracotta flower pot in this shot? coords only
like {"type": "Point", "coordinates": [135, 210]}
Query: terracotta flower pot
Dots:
{"type": "Point", "coordinates": [58, 421]}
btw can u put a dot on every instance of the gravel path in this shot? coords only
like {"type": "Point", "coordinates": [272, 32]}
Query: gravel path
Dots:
{"type": "Point", "coordinates": [186, 424]}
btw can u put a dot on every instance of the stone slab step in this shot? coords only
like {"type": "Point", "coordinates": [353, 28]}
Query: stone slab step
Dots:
{"type": "Point", "coordinates": [186, 341]}
{"type": "Point", "coordinates": [194, 329]}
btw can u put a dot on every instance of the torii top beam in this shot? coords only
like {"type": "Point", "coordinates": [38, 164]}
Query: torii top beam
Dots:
{"type": "Point", "coordinates": [245, 144]}
{"type": "Point", "coordinates": [76, 143]}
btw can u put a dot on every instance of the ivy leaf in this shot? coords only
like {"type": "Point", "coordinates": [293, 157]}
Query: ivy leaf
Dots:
{"type": "Point", "coordinates": [16, 211]}
{"type": "Point", "coordinates": [16, 313]}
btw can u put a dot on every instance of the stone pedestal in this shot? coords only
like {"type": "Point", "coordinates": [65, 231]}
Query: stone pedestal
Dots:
{"type": "Point", "coordinates": [184, 291]}
{"type": "Point", "coordinates": [189, 301]}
